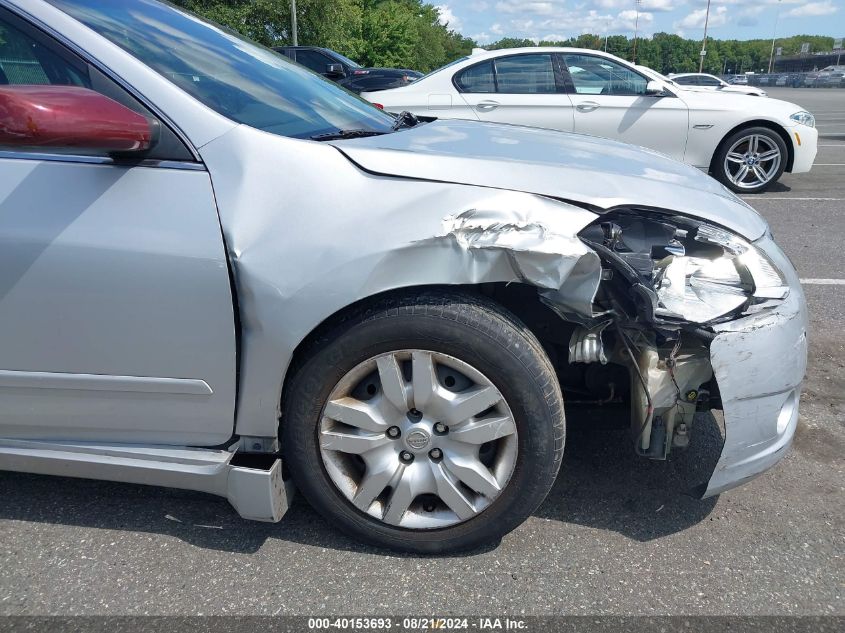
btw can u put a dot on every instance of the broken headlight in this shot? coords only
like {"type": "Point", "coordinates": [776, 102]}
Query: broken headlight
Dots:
{"type": "Point", "coordinates": [703, 288]}
{"type": "Point", "coordinates": [692, 271]}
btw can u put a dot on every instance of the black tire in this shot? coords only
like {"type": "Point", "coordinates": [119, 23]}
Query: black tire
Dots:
{"type": "Point", "coordinates": [470, 328]}
{"type": "Point", "coordinates": [718, 166]}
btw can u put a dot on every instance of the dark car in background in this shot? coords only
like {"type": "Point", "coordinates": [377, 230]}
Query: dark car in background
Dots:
{"type": "Point", "coordinates": [346, 72]}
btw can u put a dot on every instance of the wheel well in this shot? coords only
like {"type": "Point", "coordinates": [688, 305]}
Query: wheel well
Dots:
{"type": "Point", "coordinates": [790, 152]}
{"type": "Point", "coordinates": [521, 299]}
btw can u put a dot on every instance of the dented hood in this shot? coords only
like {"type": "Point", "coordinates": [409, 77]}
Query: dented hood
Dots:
{"type": "Point", "coordinates": [583, 169]}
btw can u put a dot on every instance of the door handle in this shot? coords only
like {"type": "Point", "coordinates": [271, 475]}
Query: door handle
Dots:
{"type": "Point", "coordinates": [487, 106]}
{"type": "Point", "coordinates": [587, 106]}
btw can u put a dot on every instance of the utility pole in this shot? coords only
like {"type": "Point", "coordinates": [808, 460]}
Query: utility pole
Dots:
{"type": "Point", "coordinates": [704, 41]}
{"type": "Point", "coordinates": [636, 30]}
{"type": "Point", "coordinates": [293, 22]}
{"type": "Point", "coordinates": [774, 34]}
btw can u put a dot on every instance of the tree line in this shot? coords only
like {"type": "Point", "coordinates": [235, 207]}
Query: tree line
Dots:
{"type": "Point", "coordinates": [408, 34]}
{"type": "Point", "coordinates": [668, 53]}
{"type": "Point", "coordinates": [395, 33]}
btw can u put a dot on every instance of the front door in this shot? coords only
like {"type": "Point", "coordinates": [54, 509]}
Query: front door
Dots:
{"type": "Point", "coordinates": [116, 318]}
{"type": "Point", "coordinates": [610, 100]}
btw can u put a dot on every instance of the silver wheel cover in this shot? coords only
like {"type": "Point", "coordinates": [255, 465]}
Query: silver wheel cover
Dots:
{"type": "Point", "coordinates": [418, 439]}
{"type": "Point", "coordinates": [752, 161]}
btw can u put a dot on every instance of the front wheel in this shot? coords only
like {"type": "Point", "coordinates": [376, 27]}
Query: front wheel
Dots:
{"type": "Point", "coordinates": [427, 423]}
{"type": "Point", "coordinates": [750, 160]}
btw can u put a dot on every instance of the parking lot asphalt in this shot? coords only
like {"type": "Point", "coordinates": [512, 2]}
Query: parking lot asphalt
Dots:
{"type": "Point", "coordinates": [827, 104]}
{"type": "Point", "coordinates": [617, 535]}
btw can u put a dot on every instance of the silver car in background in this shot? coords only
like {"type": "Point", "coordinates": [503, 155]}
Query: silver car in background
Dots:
{"type": "Point", "coordinates": [213, 261]}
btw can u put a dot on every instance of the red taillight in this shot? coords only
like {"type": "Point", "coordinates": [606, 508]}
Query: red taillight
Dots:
{"type": "Point", "coordinates": [379, 106]}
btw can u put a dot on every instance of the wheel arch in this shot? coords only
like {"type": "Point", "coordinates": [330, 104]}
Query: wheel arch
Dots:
{"type": "Point", "coordinates": [775, 127]}
{"type": "Point", "coordinates": [522, 300]}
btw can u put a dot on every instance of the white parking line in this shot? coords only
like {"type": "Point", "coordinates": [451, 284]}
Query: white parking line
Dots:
{"type": "Point", "coordinates": [790, 198]}
{"type": "Point", "coordinates": [823, 282]}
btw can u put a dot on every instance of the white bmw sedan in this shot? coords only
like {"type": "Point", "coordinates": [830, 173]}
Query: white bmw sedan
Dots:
{"type": "Point", "coordinates": [743, 141]}
{"type": "Point", "coordinates": [704, 81]}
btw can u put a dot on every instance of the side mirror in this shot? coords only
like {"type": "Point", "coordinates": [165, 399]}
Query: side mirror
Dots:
{"type": "Point", "coordinates": [335, 70]}
{"type": "Point", "coordinates": [69, 117]}
{"type": "Point", "coordinates": [655, 89]}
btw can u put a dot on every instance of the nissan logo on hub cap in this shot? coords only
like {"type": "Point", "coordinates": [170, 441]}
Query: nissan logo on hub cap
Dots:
{"type": "Point", "coordinates": [417, 439]}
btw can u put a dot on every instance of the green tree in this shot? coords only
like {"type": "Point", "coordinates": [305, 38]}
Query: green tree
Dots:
{"type": "Point", "coordinates": [408, 34]}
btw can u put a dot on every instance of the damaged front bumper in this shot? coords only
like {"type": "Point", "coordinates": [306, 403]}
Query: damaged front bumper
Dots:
{"type": "Point", "coordinates": [759, 363]}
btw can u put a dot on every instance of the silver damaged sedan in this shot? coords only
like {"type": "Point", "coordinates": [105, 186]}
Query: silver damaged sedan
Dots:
{"type": "Point", "coordinates": [214, 262]}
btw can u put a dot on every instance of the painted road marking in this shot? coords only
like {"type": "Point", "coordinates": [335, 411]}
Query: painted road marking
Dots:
{"type": "Point", "coordinates": [790, 198]}
{"type": "Point", "coordinates": [823, 282]}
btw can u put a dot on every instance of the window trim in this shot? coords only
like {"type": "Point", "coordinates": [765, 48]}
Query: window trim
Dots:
{"type": "Point", "coordinates": [559, 77]}
{"type": "Point", "coordinates": [571, 82]}
{"type": "Point", "coordinates": [67, 49]}
{"type": "Point", "coordinates": [461, 71]}
{"type": "Point", "coordinates": [551, 57]}
{"type": "Point", "coordinates": [330, 59]}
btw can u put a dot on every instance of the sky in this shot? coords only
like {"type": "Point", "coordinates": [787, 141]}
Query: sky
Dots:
{"type": "Point", "coordinates": [489, 20]}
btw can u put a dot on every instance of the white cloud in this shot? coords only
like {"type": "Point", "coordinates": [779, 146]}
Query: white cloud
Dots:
{"type": "Point", "coordinates": [613, 4]}
{"type": "Point", "coordinates": [812, 9]}
{"type": "Point", "coordinates": [645, 5]}
{"type": "Point", "coordinates": [657, 5]}
{"type": "Point", "coordinates": [448, 18]}
{"type": "Point", "coordinates": [497, 29]}
{"type": "Point", "coordinates": [695, 20]}
{"type": "Point", "coordinates": [522, 7]}
{"type": "Point", "coordinates": [479, 5]}
{"type": "Point", "coordinates": [566, 24]}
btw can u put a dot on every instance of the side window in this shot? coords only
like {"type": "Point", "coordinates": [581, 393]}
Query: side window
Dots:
{"type": "Point", "coordinates": [686, 81]}
{"type": "Point", "coordinates": [478, 78]}
{"type": "Point", "coordinates": [709, 81]}
{"type": "Point", "coordinates": [313, 60]}
{"type": "Point", "coordinates": [601, 76]}
{"type": "Point", "coordinates": [526, 74]}
{"type": "Point", "coordinates": [24, 61]}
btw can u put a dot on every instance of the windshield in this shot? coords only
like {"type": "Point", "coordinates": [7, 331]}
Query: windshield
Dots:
{"type": "Point", "coordinates": [239, 79]}
{"type": "Point", "coordinates": [346, 60]}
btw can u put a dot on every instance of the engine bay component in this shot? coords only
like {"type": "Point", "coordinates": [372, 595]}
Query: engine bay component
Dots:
{"type": "Point", "coordinates": [669, 373]}
{"type": "Point", "coordinates": [586, 344]}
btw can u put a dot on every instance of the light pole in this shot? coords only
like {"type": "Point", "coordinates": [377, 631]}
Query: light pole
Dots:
{"type": "Point", "coordinates": [774, 34]}
{"type": "Point", "coordinates": [704, 41]}
{"type": "Point", "coordinates": [636, 29]}
{"type": "Point", "coordinates": [293, 22]}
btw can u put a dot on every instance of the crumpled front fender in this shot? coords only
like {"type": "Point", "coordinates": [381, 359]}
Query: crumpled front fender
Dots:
{"type": "Point", "coordinates": [507, 236]}
{"type": "Point", "coordinates": [303, 247]}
